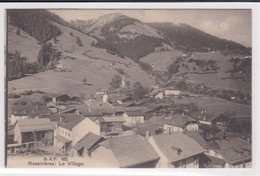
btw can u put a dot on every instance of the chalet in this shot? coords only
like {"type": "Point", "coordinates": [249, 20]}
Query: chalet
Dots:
{"type": "Point", "coordinates": [230, 153]}
{"type": "Point", "coordinates": [147, 128]}
{"type": "Point", "coordinates": [179, 123]}
{"type": "Point", "coordinates": [131, 151]}
{"type": "Point", "coordinates": [71, 129]}
{"type": "Point", "coordinates": [176, 150]}
{"type": "Point", "coordinates": [111, 125]}
{"type": "Point", "coordinates": [103, 107]}
{"type": "Point", "coordinates": [61, 98]}
{"type": "Point", "coordinates": [169, 92]}
{"type": "Point", "coordinates": [87, 112]}
{"type": "Point", "coordinates": [86, 145]}
{"type": "Point", "coordinates": [55, 109]}
{"type": "Point", "coordinates": [118, 98]}
{"type": "Point", "coordinates": [70, 110]}
{"type": "Point", "coordinates": [133, 117]}
{"type": "Point", "coordinates": [34, 132]}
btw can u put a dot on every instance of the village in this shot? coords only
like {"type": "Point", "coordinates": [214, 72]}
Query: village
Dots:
{"type": "Point", "coordinates": [118, 129]}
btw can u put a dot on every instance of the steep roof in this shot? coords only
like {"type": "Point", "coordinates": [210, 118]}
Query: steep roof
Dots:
{"type": "Point", "coordinates": [171, 144]}
{"type": "Point", "coordinates": [233, 150]}
{"type": "Point", "coordinates": [70, 120]}
{"type": "Point", "coordinates": [89, 112]}
{"type": "Point", "coordinates": [87, 141]}
{"type": "Point", "coordinates": [154, 119]}
{"type": "Point", "coordinates": [131, 150]}
{"type": "Point", "coordinates": [197, 137]}
{"type": "Point", "coordinates": [180, 120]}
{"type": "Point", "coordinates": [28, 125]}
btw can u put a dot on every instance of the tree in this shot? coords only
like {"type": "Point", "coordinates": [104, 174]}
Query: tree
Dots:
{"type": "Point", "coordinates": [116, 82]}
{"type": "Point", "coordinates": [84, 81]}
{"type": "Point", "coordinates": [78, 41]}
{"type": "Point", "coordinates": [172, 69]}
{"type": "Point", "coordinates": [138, 91]}
{"type": "Point", "coordinates": [17, 31]}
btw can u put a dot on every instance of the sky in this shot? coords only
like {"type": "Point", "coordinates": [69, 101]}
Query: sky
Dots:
{"type": "Point", "coordinates": [233, 25]}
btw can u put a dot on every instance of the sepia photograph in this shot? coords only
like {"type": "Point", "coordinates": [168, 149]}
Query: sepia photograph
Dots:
{"type": "Point", "coordinates": [128, 88]}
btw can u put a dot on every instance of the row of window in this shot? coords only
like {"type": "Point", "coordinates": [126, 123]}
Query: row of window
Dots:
{"type": "Point", "coordinates": [63, 132]}
{"type": "Point", "coordinates": [183, 162]}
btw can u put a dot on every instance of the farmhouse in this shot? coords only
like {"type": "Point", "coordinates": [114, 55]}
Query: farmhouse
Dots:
{"type": "Point", "coordinates": [176, 150]}
{"type": "Point", "coordinates": [34, 132]}
{"type": "Point", "coordinates": [180, 123]}
{"type": "Point", "coordinates": [71, 129]}
{"type": "Point", "coordinates": [131, 151]}
{"type": "Point", "coordinates": [133, 117]}
{"type": "Point", "coordinates": [168, 92]}
{"type": "Point", "coordinates": [230, 153]}
{"type": "Point", "coordinates": [111, 124]}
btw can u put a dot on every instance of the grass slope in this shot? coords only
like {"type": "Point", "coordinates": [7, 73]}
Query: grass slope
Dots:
{"type": "Point", "coordinates": [96, 66]}
{"type": "Point", "coordinates": [24, 43]}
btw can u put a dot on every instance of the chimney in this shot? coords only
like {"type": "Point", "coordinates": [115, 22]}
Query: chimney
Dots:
{"type": "Point", "coordinates": [182, 114]}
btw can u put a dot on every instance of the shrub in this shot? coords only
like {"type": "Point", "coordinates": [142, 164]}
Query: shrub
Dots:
{"type": "Point", "coordinates": [78, 41]}
{"type": "Point", "coordinates": [13, 95]}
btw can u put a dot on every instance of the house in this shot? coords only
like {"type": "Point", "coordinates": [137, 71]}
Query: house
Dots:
{"type": "Point", "coordinates": [168, 92]}
{"type": "Point", "coordinates": [34, 132]}
{"type": "Point", "coordinates": [229, 153]}
{"type": "Point", "coordinates": [86, 145]}
{"type": "Point", "coordinates": [87, 112]}
{"type": "Point", "coordinates": [176, 150]}
{"type": "Point", "coordinates": [61, 98]}
{"type": "Point", "coordinates": [118, 98]}
{"type": "Point", "coordinates": [157, 94]}
{"type": "Point", "coordinates": [180, 123]}
{"type": "Point", "coordinates": [133, 117]}
{"type": "Point", "coordinates": [111, 125]}
{"type": "Point", "coordinates": [147, 128]}
{"type": "Point", "coordinates": [71, 129]}
{"type": "Point", "coordinates": [204, 118]}
{"type": "Point", "coordinates": [100, 91]}
{"type": "Point", "coordinates": [131, 151]}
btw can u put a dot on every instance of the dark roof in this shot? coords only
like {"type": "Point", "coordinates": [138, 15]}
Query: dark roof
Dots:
{"type": "Point", "coordinates": [28, 125]}
{"type": "Point", "coordinates": [220, 135]}
{"type": "Point", "coordinates": [197, 137]}
{"type": "Point", "coordinates": [131, 150]}
{"type": "Point", "coordinates": [89, 112]}
{"type": "Point", "coordinates": [135, 113]}
{"type": "Point", "coordinates": [233, 150]}
{"type": "Point", "coordinates": [180, 120]}
{"type": "Point", "coordinates": [70, 120]}
{"type": "Point", "coordinates": [143, 127]}
{"type": "Point", "coordinates": [154, 119]}
{"type": "Point", "coordinates": [87, 141]}
{"type": "Point", "coordinates": [216, 161]}
{"type": "Point", "coordinates": [170, 144]}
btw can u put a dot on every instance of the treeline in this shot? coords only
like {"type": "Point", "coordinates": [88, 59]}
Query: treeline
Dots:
{"type": "Point", "coordinates": [36, 22]}
{"type": "Point", "coordinates": [18, 66]}
{"type": "Point", "coordinates": [205, 65]}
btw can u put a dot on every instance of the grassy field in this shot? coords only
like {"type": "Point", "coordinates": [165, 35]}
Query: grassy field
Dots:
{"type": "Point", "coordinates": [98, 71]}
{"type": "Point", "coordinates": [24, 43]}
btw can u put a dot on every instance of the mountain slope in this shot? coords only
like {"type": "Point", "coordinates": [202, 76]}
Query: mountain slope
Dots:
{"type": "Point", "coordinates": [187, 38]}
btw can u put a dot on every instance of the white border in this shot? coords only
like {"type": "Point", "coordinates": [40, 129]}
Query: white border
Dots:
{"type": "Point", "coordinates": [200, 172]}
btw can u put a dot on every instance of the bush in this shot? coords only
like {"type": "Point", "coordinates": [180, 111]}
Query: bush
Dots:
{"type": "Point", "coordinates": [27, 92]}
{"type": "Point", "coordinates": [46, 98]}
{"type": "Point", "coordinates": [13, 95]}
{"type": "Point", "coordinates": [71, 34]}
{"type": "Point", "coordinates": [17, 31]}
{"type": "Point", "coordinates": [146, 67]}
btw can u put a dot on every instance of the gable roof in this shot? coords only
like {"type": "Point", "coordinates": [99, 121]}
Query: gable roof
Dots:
{"type": "Point", "coordinates": [143, 127]}
{"type": "Point", "coordinates": [169, 144]}
{"type": "Point", "coordinates": [131, 150]}
{"type": "Point", "coordinates": [179, 120]}
{"type": "Point", "coordinates": [28, 125]}
{"type": "Point", "coordinates": [197, 137]}
{"type": "Point", "coordinates": [70, 120]}
{"type": "Point", "coordinates": [87, 141]}
{"type": "Point", "coordinates": [89, 112]}
{"type": "Point", "coordinates": [154, 119]}
{"type": "Point", "coordinates": [233, 150]}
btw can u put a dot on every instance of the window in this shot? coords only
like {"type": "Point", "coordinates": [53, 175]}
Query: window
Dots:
{"type": "Point", "coordinates": [69, 134]}
{"type": "Point", "coordinates": [62, 132]}
{"type": "Point", "coordinates": [66, 133]}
